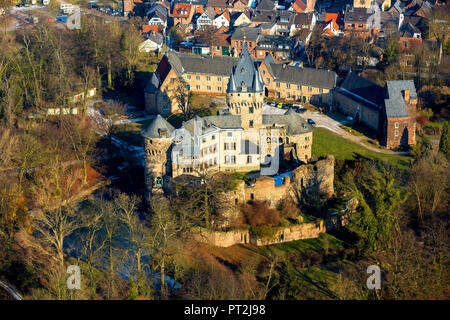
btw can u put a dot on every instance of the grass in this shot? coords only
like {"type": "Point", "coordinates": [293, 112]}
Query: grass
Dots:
{"type": "Point", "coordinates": [326, 142]}
{"type": "Point", "coordinates": [351, 131]}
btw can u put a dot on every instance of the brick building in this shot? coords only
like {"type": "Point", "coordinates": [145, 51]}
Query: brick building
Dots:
{"type": "Point", "coordinates": [389, 111]}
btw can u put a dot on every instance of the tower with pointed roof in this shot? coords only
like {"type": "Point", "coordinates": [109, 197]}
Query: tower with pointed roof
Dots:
{"type": "Point", "coordinates": [245, 92]}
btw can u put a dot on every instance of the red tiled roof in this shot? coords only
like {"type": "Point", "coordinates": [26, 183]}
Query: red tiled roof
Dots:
{"type": "Point", "coordinates": [180, 8]}
{"type": "Point", "coordinates": [299, 5]}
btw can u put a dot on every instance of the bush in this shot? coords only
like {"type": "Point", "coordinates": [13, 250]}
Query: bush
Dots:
{"type": "Point", "coordinates": [289, 209]}
{"type": "Point", "coordinates": [422, 120]}
{"type": "Point", "coordinates": [258, 213]}
{"type": "Point", "coordinates": [263, 232]}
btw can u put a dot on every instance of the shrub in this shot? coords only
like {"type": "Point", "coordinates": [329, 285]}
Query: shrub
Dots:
{"type": "Point", "coordinates": [422, 120]}
{"type": "Point", "coordinates": [288, 209]}
{"type": "Point", "coordinates": [258, 213]}
{"type": "Point", "coordinates": [264, 232]}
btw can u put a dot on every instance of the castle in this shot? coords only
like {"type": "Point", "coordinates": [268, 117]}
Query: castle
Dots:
{"type": "Point", "coordinates": [240, 139]}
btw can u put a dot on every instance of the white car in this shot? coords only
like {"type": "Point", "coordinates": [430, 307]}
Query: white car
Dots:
{"type": "Point", "coordinates": [297, 106]}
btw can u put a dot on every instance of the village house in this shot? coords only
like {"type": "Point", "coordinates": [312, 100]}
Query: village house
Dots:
{"type": "Point", "coordinates": [281, 48]}
{"type": "Point", "coordinates": [182, 13]}
{"type": "Point", "coordinates": [156, 19]}
{"type": "Point", "coordinates": [303, 6]}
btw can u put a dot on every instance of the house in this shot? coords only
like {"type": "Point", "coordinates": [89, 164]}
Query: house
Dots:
{"type": "Point", "coordinates": [241, 18]}
{"type": "Point", "coordinates": [331, 29]}
{"type": "Point", "coordinates": [127, 7]}
{"type": "Point", "coordinates": [206, 18]}
{"type": "Point", "coordinates": [296, 83]}
{"type": "Point", "coordinates": [219, 6]}
{"type": "Point", "coordinates": [389, 111]}
{"type": "Point", "coordinates": [302, 21]}
{"type": "Point", "coordinates": [260, 17]}
{"type": "Point", "coordinates": [222, 20]}
{"type": "Point", "coordinates": [220, 44]}
{"type": "Point", "coordinates": [281, 48]}
{"type": "Point", "coordinates": [153, 43]}
{"type": "Point", "coordinates": [156, 19]}
{"type": "Point", "coordinates": [283, 23]}
{"type": "Point", "coordinates": [182, 13]}
{"type": "Point", "coordinates": [55, 111]}
{"type": "Point", "coordinates": [358, 21]}
{"type": "Point", "coordinates": [244, 36]}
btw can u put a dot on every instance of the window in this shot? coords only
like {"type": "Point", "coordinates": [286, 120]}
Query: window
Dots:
{"type": "Point", "coordinates": [278, 84]}
{"type": "Point", "coordinates": [250, 110]}
{"type": "Point", "coordinates": [213, 137]}
{"type": "Point", "coordinates": [396, 133]}
{"type": "Point", "coordinates": [264, 71]}
{"type": "Point", "coordinates": [197, 78]}
{"type": "Point", "coordinates": [299, 87]}
{"type": "Point", "coordinates": [197, 87]}
{"type": "Point", "coordinates": [188, 77]}
{"type": "Point", "coordinates": [268, 80]}
{"type": "Point", "coordinates": [249, 159]}
{"type": "Point", "coordinates": [188, 87]}
{"type": "Point", "coordinates": [229, 134]}
{"type": "Point", "coordinates": [219, 88]}
{"type": "Point", "coordinates": [396, 124]}
{"type": "Point", "coordinates": [251, 124]}
{"type": "Point", "coordinates": [360, 25]}
{"type": "Point", "coordinates": [208, 78]}
{"type": "Point", "coordinates": [320, 90]}
{"type": "Point", "coordinates": [219, 79]}
{"type": "Point", "coordinates": [204, 139]}
{"type": "Point", "coordinates": [217, 48]}
{"type": "Point", "coordinates": [309, 89]}
{"type": "Point", "coordinates": [288, 86]}
{"type": "Point", "coordinates": [208, 88]}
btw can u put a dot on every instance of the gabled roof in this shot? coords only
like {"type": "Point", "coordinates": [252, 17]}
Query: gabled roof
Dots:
{"type": "Point", "coordinates": [362, 90]}
{"type": "Point", "coordinates": [181, 10]}
{"type": "Point", "coordinates": [358, 15]}
{"type": "Point", "coordinates": [305, 76]}
{"type": "Point", "coordinates": [158, 127]}
{"type": "Point", "coordinates": [299, 5]}
{"type": "Point", "coordinates": [303, 19]}
{"type": "Point", "coordinates": [265, 5]}
{"type": "Point", "coordinates": [250, 34]}
{"type": "Point", "coordinates": [219, 3]}
{"type": "Point", "coordinates": [219, 66]}
{"type": "Point", "coordinates": [395, 104]}
{"type": "Point", "coordinates": [331, 28]}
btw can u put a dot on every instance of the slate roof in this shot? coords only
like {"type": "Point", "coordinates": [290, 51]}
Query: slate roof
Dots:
{"type": "Point", "coordinates": [302, 19]}
{"type": "Point", "coordinates": [357, 15]}
{"type": "Point", "coordinates": [294, 122]}
{"type": "Point", "coordinates": [395, 104]}
{"type": "Point", "coordinates": [274, 42]}
{"type": "Point", "coordinates": [306, 76]}
{"type": "Point", "coordinates": [219, 66]}
{"type": "Point", "coordinates": [363, 90]}
{"type": "Point", "coordinates": [266, 5]}
{"type": "Point", "coordinates": [250, 34]}
{"type": "Point", "coordinates": [245, 77]}
{"type": "Point", "coordinates": [156, 126]}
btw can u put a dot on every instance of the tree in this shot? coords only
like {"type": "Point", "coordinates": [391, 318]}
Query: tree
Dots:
{"type": "Point", "coordinates": [178, 91]}
{"type": "Point", "coordinates": [444, 143]}
{"type": "Point", "coordinates": [82, 139]}
{"type": "Point", "coordinates": [164, 228]}
{"type": "Point", "coordinates": [56, 218]}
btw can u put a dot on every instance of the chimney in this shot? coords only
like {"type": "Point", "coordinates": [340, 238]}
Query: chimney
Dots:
{"type": "Point", "coordinates": [406, 95]}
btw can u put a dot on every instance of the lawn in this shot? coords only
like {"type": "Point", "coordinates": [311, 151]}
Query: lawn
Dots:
{"type": "Point", "coordinates": [326, 142]}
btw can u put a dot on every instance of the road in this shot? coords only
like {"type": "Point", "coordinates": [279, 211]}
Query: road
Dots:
{"type": "Point", "coordinates": [10, 290]}
{"type": "Point", "coordinates": [324, 121]}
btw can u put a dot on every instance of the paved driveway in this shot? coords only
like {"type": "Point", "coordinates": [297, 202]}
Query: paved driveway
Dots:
{"type": "Point", "coordinates": [325, 121]}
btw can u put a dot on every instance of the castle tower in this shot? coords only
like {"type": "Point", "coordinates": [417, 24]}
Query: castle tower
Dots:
{"type": "Point", "coordinates": [158, 142]}
{"type": "Point", "coordinates": [245, 92]}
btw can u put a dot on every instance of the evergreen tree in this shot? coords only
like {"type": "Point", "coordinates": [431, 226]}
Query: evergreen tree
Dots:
{"type": "Point", "coordinates": [444, 144]}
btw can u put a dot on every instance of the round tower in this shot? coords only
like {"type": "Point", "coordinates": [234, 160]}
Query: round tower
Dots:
{"type": "Point", "coordinates": [158, 143]}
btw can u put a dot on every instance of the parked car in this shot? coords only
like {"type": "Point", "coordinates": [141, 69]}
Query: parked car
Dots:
{"type": "Point", "coordinates": [311, 122]}
{"type": "Point", "coordinates": [62, 19]}
{"type": "Point", "coordinates": [280, 105]}
{"type": "Point", "coordinates": [350, 118]}
{"type": "Point", "coordinates": [273, 104]}
{"type": "Point", "coordinates": [299, 106]}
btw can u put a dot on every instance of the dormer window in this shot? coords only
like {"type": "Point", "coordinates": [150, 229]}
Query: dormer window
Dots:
{"type": "Point", "coordinates": [242, 70]}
